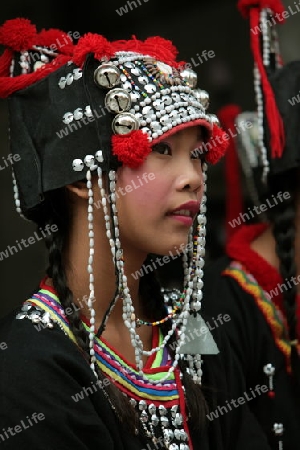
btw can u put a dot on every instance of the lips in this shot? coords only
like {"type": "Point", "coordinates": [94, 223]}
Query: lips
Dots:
{"type": "Point", "coordinates": [189, 209]}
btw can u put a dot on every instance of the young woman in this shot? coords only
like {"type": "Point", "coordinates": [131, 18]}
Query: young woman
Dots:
{"type": "Point", "coordinates": [259, 276]}
{"type": "Point", "coordinates": [112, 171]}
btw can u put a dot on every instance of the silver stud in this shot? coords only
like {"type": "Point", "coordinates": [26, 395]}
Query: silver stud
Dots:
{"type": "Point", "coordinates": [78, 165]}
{"type": "Point", "coordinates": [269, 369]}
{"type": "Point", "coordinates": [68, 118]}
{"type": "Point", "coordinates": [162, 410]}
{"type": "Point", "coordinates": [38, 65]}
{"type": "Point", "coordinates": [164, 421]}
{"type": "Point", "coordinates": [278, 429]}
{"type": "Point", "coordinates": [154, 420]}
{"type": "Point", "coordinates": [107, 75]}
{"type": "Point", "coordinates": [152, 408]}
{"type": "Point", "coordinates": [124, 123]}
{"type": "Point", "coordinates": [214, 119]}
{"type": "Point", "coordinates": [99, 156]}
{"type": "Point", "coordinates": [190, 77]}
{"type": "Point", "coordinates": [89, 161]}
{"type": "Point", "coordinates": [62, 82]}
{"type": "Point", "coordinates": [77, 74]}
{"type": "Point", "coordinates": [118, 100]}
{"type": "Point", "coordinates": [142, 405]}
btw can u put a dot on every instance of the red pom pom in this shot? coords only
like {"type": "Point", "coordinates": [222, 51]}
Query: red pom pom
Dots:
{"type": "Point", "coordinates": [217, 145]}
{"type": "Point", "coordinates": [160, 48]}
{"type": "Point", "coordinates": [244, 6]}
{"type": "Point", "coordinates": [227, 115]}
{"type": "Point", "coordinates": [18, 34]}
{"type": "Point", "coordinates": [92, 43]}
{"type": "Point", "coordinates": [271, 394]}
{"type": "Point", "coordinates": [131, 149]}
{"type": "Point", "coordinates": [57, 40]}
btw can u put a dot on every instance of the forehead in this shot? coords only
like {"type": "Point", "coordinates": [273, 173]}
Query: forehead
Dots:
{"type": "Point", "coordinates": [195, 132]}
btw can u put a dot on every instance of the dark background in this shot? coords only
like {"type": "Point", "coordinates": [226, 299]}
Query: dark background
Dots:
{"type": "Point", "coordinates": [192, 26]}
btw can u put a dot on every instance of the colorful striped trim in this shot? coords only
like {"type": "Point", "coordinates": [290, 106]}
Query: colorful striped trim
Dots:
{"type": "Point", "coordinates": [122, 373]}
{"type": "Point", "coordinates": [271, 313]}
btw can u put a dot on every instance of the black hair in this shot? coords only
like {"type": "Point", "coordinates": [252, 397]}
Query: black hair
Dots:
{"type": "Point", "coordinates": [54, 210]}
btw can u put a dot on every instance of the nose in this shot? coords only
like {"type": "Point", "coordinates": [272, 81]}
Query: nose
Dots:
{"type": "Point", "coordinates": [191, 176]}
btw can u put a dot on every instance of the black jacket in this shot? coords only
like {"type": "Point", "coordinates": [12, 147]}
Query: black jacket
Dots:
{"type": "Point", "coordinates": [40, 371]}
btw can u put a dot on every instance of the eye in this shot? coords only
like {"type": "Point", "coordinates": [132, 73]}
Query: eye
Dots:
{"type": "Point", "coordinates": [162, 148]}
{"type": "Point", "coordinates": [198, 153]}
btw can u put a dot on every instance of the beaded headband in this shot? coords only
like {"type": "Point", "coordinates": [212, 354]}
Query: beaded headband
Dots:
{"type": "Point", "coordinates": [120, 97]}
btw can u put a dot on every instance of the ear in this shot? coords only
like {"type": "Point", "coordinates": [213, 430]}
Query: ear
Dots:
{"type": "Point", "coordinates": [78, 189]}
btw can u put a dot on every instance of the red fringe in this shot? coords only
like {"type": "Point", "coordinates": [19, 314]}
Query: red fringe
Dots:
{"type": "Point", "coordinates": [9, 85]}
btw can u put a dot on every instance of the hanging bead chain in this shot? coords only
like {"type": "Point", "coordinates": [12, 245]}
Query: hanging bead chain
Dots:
{"type": "Point", "coordinates": [265, 32]}
{"type": "Point", "coordinates": [112, 243]}
{"type": "Point", "coordinates": [260, 126]}
{"type": "Point", "coordinates": [90, 270]}
{"type": "Point", "coordinates": [200, 248]}
{"type": "Point", "coordinates": [17, 196]}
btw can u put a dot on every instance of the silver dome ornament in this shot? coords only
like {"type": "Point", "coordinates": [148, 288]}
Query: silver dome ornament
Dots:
{"type": "Point", "coordinates": [78, 165]}
{"type": "Point", "coordinates": [118, 100]}
{"type": "Point", "coordinates": [190, 77]}
{"type": "Point", "coordinates": [124, 123]}
{"type": "Point", "coordinates": [107, 75]}
{"type": "Point", "coordinates": [202, 96]}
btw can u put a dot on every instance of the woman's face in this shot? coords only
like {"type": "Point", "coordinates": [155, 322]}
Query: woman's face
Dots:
{"type": "Point", "coordinates": [158, 202]}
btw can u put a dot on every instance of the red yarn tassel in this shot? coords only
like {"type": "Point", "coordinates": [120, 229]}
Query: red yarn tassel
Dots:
{"type": "Point", "coordinates": [252, 9]}
{"type": "Point", "coordinates": [234, 197]}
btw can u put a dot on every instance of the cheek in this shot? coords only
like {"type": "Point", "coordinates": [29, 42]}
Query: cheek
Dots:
{"type": "Point", "coordinates": [141, 188]}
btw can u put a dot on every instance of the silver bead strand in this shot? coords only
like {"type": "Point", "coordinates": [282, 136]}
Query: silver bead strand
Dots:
{"type": "Point", "coordinates": [260, 118]}
{"type": "Point", "coordinates": [90, 270]}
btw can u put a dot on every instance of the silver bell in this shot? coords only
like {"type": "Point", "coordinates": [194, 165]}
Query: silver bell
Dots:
{"type": "Point", "coordinates": [202, 97]}
{"type": "Point", "coordinates": [190, 77]}
{"type": "Point", "coordinates": [124, 123]}
{"type": "Point", "coordinates": [107, 75]}
{"type": "Point", "coordinates": [118, 100]}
